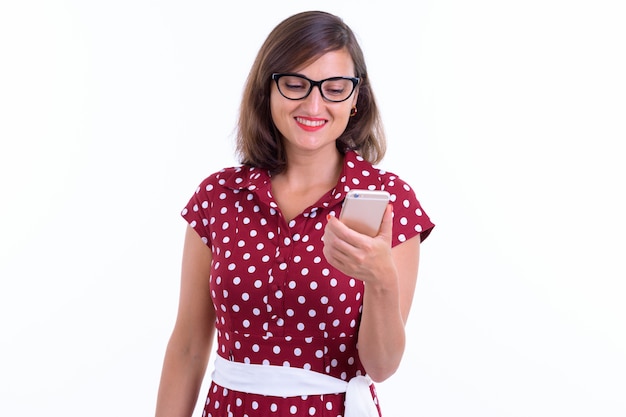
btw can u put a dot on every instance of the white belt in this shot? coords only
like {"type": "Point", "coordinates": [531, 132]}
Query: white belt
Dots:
{"type": "Point", "coordinates": [285, 381]}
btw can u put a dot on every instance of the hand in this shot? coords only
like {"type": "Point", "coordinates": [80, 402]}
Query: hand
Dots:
{"type": "Point", "coordinates": [360, 256]}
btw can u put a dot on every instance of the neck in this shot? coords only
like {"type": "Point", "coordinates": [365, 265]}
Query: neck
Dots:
{"type": "Point", "coordinates": [305, 172]}
{"type": "Point", "coordinates": [305, 181]}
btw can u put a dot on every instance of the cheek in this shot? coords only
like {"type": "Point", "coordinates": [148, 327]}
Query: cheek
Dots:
{"type": "Point", "coordinates": [275, 107]}
{"type": "Point", "coordinates": [343, 113]}
{"type": "Point", "coordinates": [273, 100]}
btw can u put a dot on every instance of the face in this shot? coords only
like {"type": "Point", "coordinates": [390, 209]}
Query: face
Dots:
{"type": "Point", "coordinates": [314, 123]}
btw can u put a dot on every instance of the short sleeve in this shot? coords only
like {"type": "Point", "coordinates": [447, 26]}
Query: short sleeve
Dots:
{"type": "Point", "coordinates": [409, 218]}
{"type": "Point", "coordinates": [197, 212]}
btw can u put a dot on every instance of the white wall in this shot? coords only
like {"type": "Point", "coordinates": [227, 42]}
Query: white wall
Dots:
{"type": "Point", "coordinates": [506, 116]}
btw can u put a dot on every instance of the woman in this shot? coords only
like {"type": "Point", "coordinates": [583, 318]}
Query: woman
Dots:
{"type": "Point", "coordinates": [289, 288]}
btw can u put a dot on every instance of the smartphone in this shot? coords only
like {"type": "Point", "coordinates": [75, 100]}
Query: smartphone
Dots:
{"type": "Point", "coordinates": [363, 210]}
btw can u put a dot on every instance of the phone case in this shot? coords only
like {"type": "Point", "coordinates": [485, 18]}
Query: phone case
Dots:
{"type": "Point", "coordinates": [363, 210]}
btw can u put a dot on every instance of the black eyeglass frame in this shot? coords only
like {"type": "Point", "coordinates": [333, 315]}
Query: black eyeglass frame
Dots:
{"type": "Point", "coordinates": [277, 76]}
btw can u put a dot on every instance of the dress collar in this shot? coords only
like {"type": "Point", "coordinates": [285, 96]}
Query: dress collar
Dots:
{"type": "Point", "coordinates": [356, 173]}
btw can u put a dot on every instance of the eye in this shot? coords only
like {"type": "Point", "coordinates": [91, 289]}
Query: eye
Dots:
{"type": "Point", "coordinates": [337, 87]}
{"type": "Point", "coordinates": [294, 84]}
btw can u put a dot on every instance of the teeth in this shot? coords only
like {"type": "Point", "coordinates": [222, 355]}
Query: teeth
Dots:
{"type": "Point", "coordinates": [312, 123]}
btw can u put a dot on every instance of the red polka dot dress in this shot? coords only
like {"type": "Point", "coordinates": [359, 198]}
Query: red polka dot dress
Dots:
{"type": "Point", "coordinates": [277, 300]}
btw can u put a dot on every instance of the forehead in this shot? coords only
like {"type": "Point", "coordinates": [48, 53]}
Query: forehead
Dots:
{"type": "Point", "coordinates": [329, 64]}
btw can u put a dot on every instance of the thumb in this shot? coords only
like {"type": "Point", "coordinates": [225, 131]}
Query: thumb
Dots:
{"type": "Point", "coordinates": [386, 226]}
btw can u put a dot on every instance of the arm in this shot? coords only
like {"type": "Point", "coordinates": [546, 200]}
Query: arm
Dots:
{"type": "Point", "coordinates": [189, 346]}
{"type": "Point", "coordinates": [389, 276]}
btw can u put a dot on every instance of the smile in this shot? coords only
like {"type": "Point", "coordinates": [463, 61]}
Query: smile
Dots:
{"type": "Point", "coordinates": [309, 122]}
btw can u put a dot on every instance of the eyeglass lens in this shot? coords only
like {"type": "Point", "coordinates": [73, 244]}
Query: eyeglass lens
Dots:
{"type": "Point", "coordinates": [333, 89]}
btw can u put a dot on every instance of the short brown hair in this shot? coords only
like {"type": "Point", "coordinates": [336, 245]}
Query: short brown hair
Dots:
{"type": "Point", "coordinates": [294, 42]}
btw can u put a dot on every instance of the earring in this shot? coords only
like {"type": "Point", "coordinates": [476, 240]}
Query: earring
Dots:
{"type": "Point", "coordinates": [353, 111]}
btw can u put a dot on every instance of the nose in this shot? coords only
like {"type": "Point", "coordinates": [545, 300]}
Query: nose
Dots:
{"type": "Point", "coordinates": [314, 101]}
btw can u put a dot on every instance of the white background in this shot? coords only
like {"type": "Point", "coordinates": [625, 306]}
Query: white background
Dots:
{"type": "Point", "coordinates": [507, 117]}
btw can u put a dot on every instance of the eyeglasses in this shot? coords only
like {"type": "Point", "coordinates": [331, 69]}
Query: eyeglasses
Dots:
{"type": "Point", "coordinates": [298, 87]}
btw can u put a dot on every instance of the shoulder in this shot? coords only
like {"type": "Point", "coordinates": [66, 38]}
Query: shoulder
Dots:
{"type": "Point", "coordinates": [233, 178]}
{"type": "Point", "coordinates": [217, 179]}
{"type": "Point", "coordinates": [409, 217]}
{"type": "Point", "coordinates": [362, 174]}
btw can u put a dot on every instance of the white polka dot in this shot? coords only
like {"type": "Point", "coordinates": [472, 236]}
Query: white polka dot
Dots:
{"type": "Point", "coordinates": [277, 272]}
